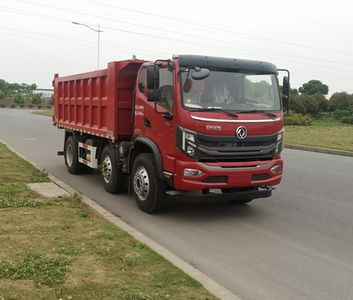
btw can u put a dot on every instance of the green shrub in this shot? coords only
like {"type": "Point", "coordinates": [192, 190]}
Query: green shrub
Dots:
{"type": "Point", "coordinates": [344, 115]}
{"type": "Point", "coordinates": [347, 119]}
{"type": "Point", "coordinates": [304, 104]}
{"type": "Point", "coordinates": [298, 120]}
{"type": "Point", "coordinates": [339, 113]}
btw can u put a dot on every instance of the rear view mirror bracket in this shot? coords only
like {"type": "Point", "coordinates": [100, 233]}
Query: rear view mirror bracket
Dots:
{"type": "Point", "coordinates": [285, 89]}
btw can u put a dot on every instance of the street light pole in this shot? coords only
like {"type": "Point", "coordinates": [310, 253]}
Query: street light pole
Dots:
{"type": "Point", "coordinates": [95, 30]}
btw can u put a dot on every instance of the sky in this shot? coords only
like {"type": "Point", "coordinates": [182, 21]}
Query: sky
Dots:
{"type": "Point", "coordinates": [313, 39]}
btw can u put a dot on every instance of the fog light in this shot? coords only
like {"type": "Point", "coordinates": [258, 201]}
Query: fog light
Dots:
{"type": "Point", "coordinates": [192, 172]}
{"type": "Point", "coordinates": [276, 169]}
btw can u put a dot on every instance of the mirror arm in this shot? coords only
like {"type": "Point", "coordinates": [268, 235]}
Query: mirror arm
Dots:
{"type": "Point", "coordinates": [285, 70]}
{"type": "Point", "coordinates": [168, 115]}
{"type": "Point", "coordinates": [285, 98]}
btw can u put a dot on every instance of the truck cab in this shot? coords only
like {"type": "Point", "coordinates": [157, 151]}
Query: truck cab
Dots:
{"type": "Point", "coordinates": [217, 123]}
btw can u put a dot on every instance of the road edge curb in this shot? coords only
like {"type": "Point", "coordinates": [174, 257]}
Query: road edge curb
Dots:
{"type": "Point", "coordinates": [319, 150]}
{"type": "Point", "coordinates": [209, 284]}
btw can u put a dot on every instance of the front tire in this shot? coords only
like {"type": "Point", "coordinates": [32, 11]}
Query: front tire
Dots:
{"type": "Point", "coordinates": [113, 177]}
{"type": "Point", "coordinates": [148, 189]}
{"type": "Point", "coordinates": [71, 156]}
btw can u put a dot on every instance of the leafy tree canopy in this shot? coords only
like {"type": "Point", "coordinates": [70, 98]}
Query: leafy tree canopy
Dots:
{"type": "Point", "coordinates": [36, 99]}
{"type": "Point", "coordinates": [10, 89]}
{"type": "Point", "coordinates": [341, 101]}
{"type": "Point", "coordinates": [314, 87]}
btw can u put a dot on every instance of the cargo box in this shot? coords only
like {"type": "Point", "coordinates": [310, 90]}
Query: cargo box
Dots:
{"type": "Point", "coordinates": [99, 102]}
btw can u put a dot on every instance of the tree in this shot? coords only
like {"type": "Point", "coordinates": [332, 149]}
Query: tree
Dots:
{"type": "Point", "coordinates": [340, 101]}
{"type": "Point", "coordinates": [15, 88]}
{"type": "Point", "coordinates": [322, 101]}
{"type": "Point", "coordinates": [36, 99]}
{"type": "Point", "coordinates": [313, 87]}
{"type": "Point", "coordinates": [297, 104]}
{"type": "Point", "coordinates": [19, 99]}
{"type": "Point", "coordinates": [308, 104]}
{"type": "Point", "coordinates": [312, 104]}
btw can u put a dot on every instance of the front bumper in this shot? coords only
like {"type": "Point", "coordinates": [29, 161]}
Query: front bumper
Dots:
{"type": "Point", "coordinates": [227, 174]}
{"type": "Point", "coordinates": [213, 196]}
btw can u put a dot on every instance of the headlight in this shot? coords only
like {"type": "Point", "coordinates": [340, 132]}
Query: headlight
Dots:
{"type": "Point", "coordinates": [189, 136]}
{"type": "Point", "coordinates": [279, 143]}
{"type": "Point", "coordinates": [186, 141]}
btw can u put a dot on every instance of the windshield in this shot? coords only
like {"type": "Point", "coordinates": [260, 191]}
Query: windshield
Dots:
{"type": "Point", "coordinates": [231, 91]}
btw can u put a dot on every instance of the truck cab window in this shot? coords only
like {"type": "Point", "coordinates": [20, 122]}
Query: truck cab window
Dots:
{"type": "Point", "coordinates": [142, 80]}
{"type": "Point", "coordinates": [166, 94]}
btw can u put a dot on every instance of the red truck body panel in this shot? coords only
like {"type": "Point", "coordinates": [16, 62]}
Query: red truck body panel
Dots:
{"type": "Point", "coordinates": [98, 102]}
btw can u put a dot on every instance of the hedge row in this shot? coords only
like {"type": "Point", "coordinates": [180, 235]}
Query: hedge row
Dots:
{"type": "Point", "coordinates": [298, 120]}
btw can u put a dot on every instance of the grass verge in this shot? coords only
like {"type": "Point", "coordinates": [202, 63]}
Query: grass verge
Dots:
{"type": "Point", "coordinates": [48, 113]}
{"type": "Point", "coordinates": [55, 248]}
{"type": "Point", "coordinates": [324, 133]}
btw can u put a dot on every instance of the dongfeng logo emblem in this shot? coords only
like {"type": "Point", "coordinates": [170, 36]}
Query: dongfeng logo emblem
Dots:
{"type": "Point", "coordinates": [241, 132]}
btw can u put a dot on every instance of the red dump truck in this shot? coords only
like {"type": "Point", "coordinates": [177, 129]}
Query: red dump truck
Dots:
{"type": "Point", "coordinates": [191, 127]}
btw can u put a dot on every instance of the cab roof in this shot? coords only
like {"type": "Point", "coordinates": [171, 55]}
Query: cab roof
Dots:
{"type": "Point", "coordinates": [227, 64]}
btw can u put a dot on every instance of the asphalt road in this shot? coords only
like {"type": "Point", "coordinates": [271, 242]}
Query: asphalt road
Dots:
{"type": "Point", "coordinates": [298, 244]}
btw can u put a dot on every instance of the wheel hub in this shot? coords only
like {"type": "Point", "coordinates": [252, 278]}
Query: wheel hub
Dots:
{"type": "Point", "coordinates": [69, 155]}
{"type": "Point", "coordinates": [106, 169]}
{"type": "Point", "coordinates": [141, 183]}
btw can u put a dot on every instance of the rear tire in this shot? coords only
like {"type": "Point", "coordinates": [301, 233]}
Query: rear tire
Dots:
{"type": "Point", "coordinates": [113, 177]}
{"type": "Point", "coordinates": [148, 189]}
{"type": "Point", "coordinates": [71, 156]}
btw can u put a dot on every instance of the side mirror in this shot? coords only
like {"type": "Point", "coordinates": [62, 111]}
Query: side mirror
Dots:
{"type": "Point", "coordinates": [187, 85]}
{"type": "Point", "coordinates": [152, 95]}
{"type": "Point", "coordinates": [286, 86]}
{"type": "Point", "coordinates": [199, 73]}
{"type": "Point", "coordinates": [152, 82]}
{"type": "Point", "coordinates": [285, 97]}
{"type": "Point", "coordinates": [152, 77]}
{"type": "Point", "coordinates": [285, 101]}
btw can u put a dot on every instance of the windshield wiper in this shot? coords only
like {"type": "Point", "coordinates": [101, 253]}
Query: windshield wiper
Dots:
{"type": "Point", "coordinates": [257, 111]}
{"type": "Point", "coordinates": [216, 108]}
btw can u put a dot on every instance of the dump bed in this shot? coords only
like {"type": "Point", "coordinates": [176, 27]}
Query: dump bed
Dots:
{"type": "Point", "coordinates": [98, 102]}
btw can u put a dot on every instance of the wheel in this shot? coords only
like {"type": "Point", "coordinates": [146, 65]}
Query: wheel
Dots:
{"type": "Point", "coordinates": [113, 177]}
{"type": "Point", "coordinates": [71, 156]}
{"type": "Point", "coordinates": [148, 189]}
{"type": "Point", "coordinates": [238, 201]}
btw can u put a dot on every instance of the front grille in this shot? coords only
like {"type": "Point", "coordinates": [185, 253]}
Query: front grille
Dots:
{"type": "Point", "coordinates": [255, 177]}
{"type": "Point", "coordinates": [216, 179]}
{"type": "Point", "coordinates": [232, 159]}
{"type": "Point", "coordinates": [230, 148]}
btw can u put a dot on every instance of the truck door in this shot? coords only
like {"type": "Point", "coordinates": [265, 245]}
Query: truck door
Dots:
{"type": "Point", "coordinates": [151, 119]}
